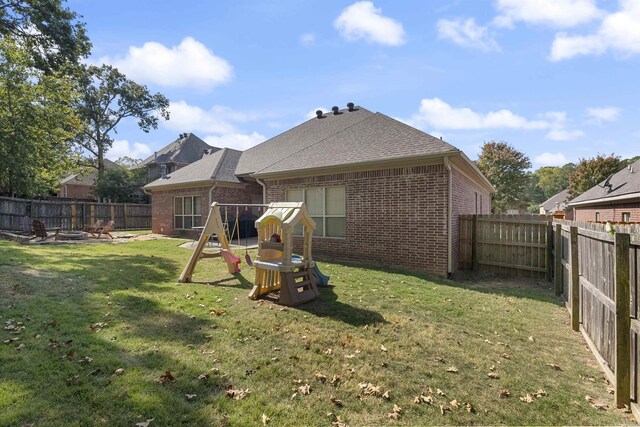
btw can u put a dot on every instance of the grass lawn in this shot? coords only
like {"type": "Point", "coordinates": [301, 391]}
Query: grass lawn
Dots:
{"type": "Point", "coordinates": [105, 336]}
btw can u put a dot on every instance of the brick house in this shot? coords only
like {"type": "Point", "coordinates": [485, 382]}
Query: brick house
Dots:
{"type": "Point", "coordinates": [556, 205]}
{"type": "Point", "coordinates": [616, 199]}
{"type": "Point", "coordinates": [380, 191]}
{"type": "Point", "coordinates": [186, 149]}
{"type": "Point", "coordinates": [80, 186]}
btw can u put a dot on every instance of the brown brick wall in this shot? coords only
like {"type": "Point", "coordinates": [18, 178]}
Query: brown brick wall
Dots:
{"type": "Point", "coordinates": [76, 192]}
{"type": "Point", "coordinates": [611, 213]}
{"type": "Point", "coordinates": [162, 203]}
{"type": "Point", "coordinates": [394, 217]}
{"type": "Point", "coordinates": [468, 198]}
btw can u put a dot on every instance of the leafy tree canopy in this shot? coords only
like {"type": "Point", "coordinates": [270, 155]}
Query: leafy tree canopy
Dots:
{"type": "Point", "coordinates": [553, 179]}
{"type": "Point", "coordinates": [120, 185]}
{"type": "Point", "coordinates": [590, 172]}
{"type": "Point", "coordinates": [106, 98]}
{"type": "Point", "coordinates": [505, 167]}
{"type": "Point", "coordinates": [45, 28]}
{"type": "Point", "coordinates": [37, 124]}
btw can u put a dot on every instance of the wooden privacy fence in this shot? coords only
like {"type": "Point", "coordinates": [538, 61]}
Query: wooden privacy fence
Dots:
{"type": "Point", "coordinates": [597, 274]}
{"type": "Point", "coordinates": [515, 245]}
{"type": "Point", "coordinates": [72, 215]}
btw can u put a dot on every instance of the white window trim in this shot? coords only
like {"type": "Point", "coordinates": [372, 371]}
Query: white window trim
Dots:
{"type": "Point", "coordinates": [324, 215]}
{"type": "Point", "coordinates": [183, 215]}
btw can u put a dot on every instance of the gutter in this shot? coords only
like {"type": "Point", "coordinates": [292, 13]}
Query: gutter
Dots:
{"type": "Point", "coordinates": [213, 187]}
{"type": "Point", "coordinates": [604, 200]}
{"type": "Point", "coordinates": [449, 216]}
{"type": "Point", "coordinates": [264, 190]}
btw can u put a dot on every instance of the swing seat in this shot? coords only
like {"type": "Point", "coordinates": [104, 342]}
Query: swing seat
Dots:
{"type": "Point", "coordinates": [248, 260]}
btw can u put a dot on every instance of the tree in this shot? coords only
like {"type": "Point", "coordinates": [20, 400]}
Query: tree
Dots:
{"type": "Point", "coordinates": [37, 124]}
{"type": "Point", "coordinates": [590, 172]}
{"type": "Point", "coordinates": [505, 167]}
{"type": "Point", "coordinates": [120, 185]}
{"type": "Point", "coordinates": [50, 32]}
{"type": "Point", "coordinates": [106, 98]}
{"type": "Point", "coordinates": [553, 179]}
{"type": "Point", "coordinates": [128, 162]}
{"type": "Point", "coordinates": [534, 194]}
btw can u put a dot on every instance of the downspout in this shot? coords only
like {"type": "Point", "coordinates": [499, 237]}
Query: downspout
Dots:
{"type": "Point", "coordinates": [264, 190]}
{"type": "Point", "coordinates": [211, 194]}
{"type": "Point", "coordinates": [449, 215]}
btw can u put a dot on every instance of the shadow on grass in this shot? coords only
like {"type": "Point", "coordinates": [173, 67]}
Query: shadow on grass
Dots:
{"type": "Point", "coordinates": [236, 280]}
{"type": "Point", "coordinates": [535, 289]}
{"type": "Point", "coordinates": [329, 306]}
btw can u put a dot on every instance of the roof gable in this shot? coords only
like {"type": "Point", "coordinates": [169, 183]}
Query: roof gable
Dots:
{"type": "Point", "coordinates": [625, 182]}
{"type": "Point", "coordinates": [184, 150]}
{"type": "Point", "coordinates": [375, 138]}
{"type": "Point", "coordinates": [559, 199]}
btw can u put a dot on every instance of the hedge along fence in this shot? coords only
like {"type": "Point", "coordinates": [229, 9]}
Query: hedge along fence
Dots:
{"type": "Point", "coordinates": [73, 215]}
{"type": "Point", "coordinates": [597, 274]}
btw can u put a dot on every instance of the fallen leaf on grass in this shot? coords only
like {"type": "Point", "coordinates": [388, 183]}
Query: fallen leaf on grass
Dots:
{"type": "Point", "coordinates": [237, 394]}
{"type": "Point", "coordinates": [386, 395]}
{"type": "Point", "coordinates": [203, 377]}
{"type": "Point", "coordinates": [217, 312]}
{"type": "Point", "coordinates": [423, 399]}
{"type": "Point", "coordinates": [470, 408]}
{"type": "Point", "coordinates": [383, 348]}
{"type": "Point", "coordinates": [335, 401]}
{"type": "Point", "coordinates": [21, 347]}
{"type": "Point", "coordinates": [321, 377]}
{"type": "Point", "coordinates": [69, 355]}
{"type": "Point", "coordinates": [454, 403]}
{"type": "Point", "coordinates": [145, 423]}
{"type": "Point", "coordinates": [85, 360]}
{"type": "Point", "coordinates": [440, 392]}
{"type": "Point", "coordinates": [393, 416]}
{"type": "Point", "coordinates": [527, 398]}
{"type": "Point", "coordinates": [439, 359]}
{"type": "Point", "coordinates": [335, 380]}
{"type": "Point", "coordinates": [493, 375]}
{"type": "Point", "coordinates": [166, 377]}
{"type": "Point", "coordinates": [504, 393]}
{"type": "Point", "coordinates": [452, 369]}
{"type": "Point", "coordinates": [531, 338]}
{"type": "Point", "coordinates": [444, 409]}
{"type": "Point", "coordinates": [190, 397]}
{"type": "Point", "coordinates": [505, 356]}
{"type": "Point", "coordinates": [96, 327]}
{"type": "Point", "coordinates": [369, 389]}
{"type": "Point", "coordinates": [119, 371]}
{"type": "Point", "coordinates": [10, 340]}
{"type": "Point", "coordinates": [554, 366]}
{"type": "Point", "coordinates": [264, 419]}
{"type": "Point", "coordinates": [338, 421]}
{"type": "Point", "coordinates": [594, 404]}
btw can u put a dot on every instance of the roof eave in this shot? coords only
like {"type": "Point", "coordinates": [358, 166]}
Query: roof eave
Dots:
{"type": "Point", "coordinates": [602, 200]}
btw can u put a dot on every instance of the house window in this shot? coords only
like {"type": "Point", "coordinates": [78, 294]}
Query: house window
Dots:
{"type": "Point", "coordinates": [326, 205]}
{"type": "Point", "coordinates": [597, 216]}
{"type": "Point", "coordinates": [626, 216]}
{"type": "Point", "coordinates": [186, 212]}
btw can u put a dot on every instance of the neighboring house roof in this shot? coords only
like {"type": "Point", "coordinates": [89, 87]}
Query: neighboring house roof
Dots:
{"type": "Point", "coordinates": [218, 166]}
{"type": "Point", "coordinates": [186, 149]}
{"type": "Point", "coordinates": [87, 179]}
{"type": "Point", "coordinates": [375, 138]}
{"type": "Point", "coordinates": [297, 139]}
{"type": "Point", "coordinates": [558, 201]}
{"type": "Point", "coordinates": [625, 185]}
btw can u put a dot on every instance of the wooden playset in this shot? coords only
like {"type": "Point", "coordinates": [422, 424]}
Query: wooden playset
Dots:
{"type": "Point", "coordinates": [276, 268]}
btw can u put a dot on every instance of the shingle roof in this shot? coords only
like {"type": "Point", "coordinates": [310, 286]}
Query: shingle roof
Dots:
{"type": "Point", "coordinates": [88, 178]}
{"type": "Point", "coordinates": [559, 199]}
{"type": "Point", "coordinates": [298, 138]}
{"type": "Point", "coordinates": [376, 137]}
{"type": "Point", "coordinates": [217, 166]}
{"type": "Point", "coordinates": [623, 182]}
{"type": "Point", "coordinates": [182, 151]}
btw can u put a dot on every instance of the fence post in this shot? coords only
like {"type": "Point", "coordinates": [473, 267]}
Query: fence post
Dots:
{"type": "Point", "coordinates": [474, 242]}
{"type": "Point", "coordinates": [74, 222]}
{"type": "Point", "coordinates": [113, 212]}
{"type": "Point", "coordinates": [623, 321]}
{"type": "Point", "coordinates": [549, 249]}
{"type": "Point", "coordinates": [558, 260]}
{"type": "Point", "coordinates": [93, 214]}
{"type": "Point", "coordinates": [575, 281]}
{"type": "Point", "coordinates": [124, 216]}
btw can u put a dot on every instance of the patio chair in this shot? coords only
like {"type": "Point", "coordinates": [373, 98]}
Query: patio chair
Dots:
{"type": "Point", "coordinates": [106, 230]}
{"type": "Point", "coordinates": [44, 233]}
{"type": "Point", "coordinates": [27, 227]}
{"type": "Point", "coordinates": [95, 227]}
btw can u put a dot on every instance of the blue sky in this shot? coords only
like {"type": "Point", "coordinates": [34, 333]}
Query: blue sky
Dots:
{"type": "Point", "coordinates": [558, 79]}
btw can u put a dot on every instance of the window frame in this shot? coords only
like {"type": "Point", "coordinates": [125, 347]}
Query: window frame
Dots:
{"type": "Point", "coordinates": [183, 215]}
{"type": "Point", "coordinates": [628, 216]}
{"type": "Point", "coordinates": [324, 215]}
{"type": "Point", "coordinates": [597, 216]}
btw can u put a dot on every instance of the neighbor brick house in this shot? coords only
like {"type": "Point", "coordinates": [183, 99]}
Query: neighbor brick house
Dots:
{"type": "Point", "coordinates": [556, 205]}
{"type": "Point", "coordinates": [380, 191]}
{"type": "Point", "coordinates": [80, 186]}
{"type": "Point", "coordinates": [616, 199]}
{"type": "Point", "coordinates": [186, 149]}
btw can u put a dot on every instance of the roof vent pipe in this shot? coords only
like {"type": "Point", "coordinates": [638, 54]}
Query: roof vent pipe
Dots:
{"type": "Point", "coordinates": [335, 110]}
{"type": "Point", "coordinates": [163, 171]}
{"type": "Point", "coordinates": [350, 106]}
{"type": "Point", "coordinates": [319, 113]}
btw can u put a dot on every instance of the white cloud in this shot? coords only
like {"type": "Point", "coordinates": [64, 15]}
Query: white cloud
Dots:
{"type": "Point", "coordinates": [308, 39]}
{"type": "Point", "coordinates": [122, 147]}
{"type": "Point", "coordinates": [239, 141]}
{"type": "Point", "coordinates": [440, 115]}
{"type": "Point", "coordinates": [563, 134]}
{"type": "Point", "coordinates": [619, 32]}
{"type": "Point", "coordinates": [555, 13]}
{"type": "Point", "coordinates": [467, 34]}
{"type": "Point", "coordinates": [604, 114]}
{"type": "Point", "coordinates": [218, 119]}
{"type": "Point", "coordinates": [550, 159]}
{"type": "Point", "coordinates": [362, 20]}
{"type": "Point", "coordinates": [189, 64]}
